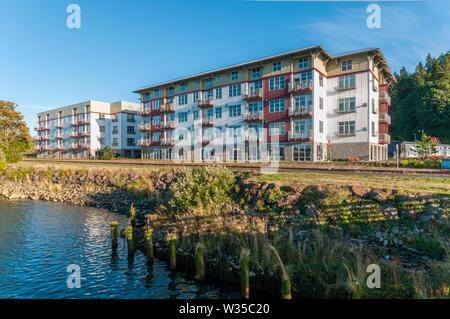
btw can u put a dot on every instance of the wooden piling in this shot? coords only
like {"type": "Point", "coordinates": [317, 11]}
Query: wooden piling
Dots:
{"type": "Point", "coordinates": [199, 263]}
{"type": "Point", "coordinates": [285, 288]}
{"type": "Point", "coordinates": [130, 240]}
{"type": "Point", "coordinates": [172, 252]}
{"type": "Point", "coordinates": [149, 245]}
{"type": "Point", "coordinates": [114, 235]}
{"type": "Point", "coordinates": [245, 279]}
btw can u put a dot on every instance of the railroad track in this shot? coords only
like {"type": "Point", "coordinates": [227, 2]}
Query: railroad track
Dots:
{"type": "Point", "coordinates": [267, 168]}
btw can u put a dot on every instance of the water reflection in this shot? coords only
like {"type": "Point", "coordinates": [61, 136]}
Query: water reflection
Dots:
{"type": "Point", "coordinates": [38, 240]}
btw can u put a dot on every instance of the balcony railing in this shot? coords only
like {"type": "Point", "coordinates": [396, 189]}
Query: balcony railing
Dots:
{"type": "Point", "coordinates": [168, 141]}
{"type": "Point", "coordinates": [253, 94]}
{"type": "Point", "coordinates": [298, 87]}
{"type": "Point", "coordinates": [168, 125]}
{"type": "Point", "coordinates": [168, 107]}
{"type": "Point", "coordinates": [384, 117]}
{"type": "Point", "coordinates": [301, 111]}
{"type": "Point", "coordinates": [208, 121]}
{"type": "Point", "coordinates": [253, 116]}
{"type": "Point", "coordinates": [345, 86]}
{"type": "Point", "coordinates": [145, 112]}
{"type": "Point", "coordinates": [145, 127]}
{"type": "Point", "coordinates": [145, 142]}
{"type": "Point", "coordinates": [300, 136]}
{"type": "Point", "coordinates": [384, 97]}
{"type": "Point", "coordinates": [254, 137]}
{"type": "Point", "coordinates": [205, 102]}
{"type": "Point", "coordinates": [384, 138]}
{"type": "Point", "coordinates": [59, 124]}
{"type": "Point", "coordinates": [59, 135]}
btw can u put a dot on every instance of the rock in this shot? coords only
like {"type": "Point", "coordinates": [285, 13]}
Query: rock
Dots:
{"type": "Point", "coordinates": [425, 218]}
{"type": "Point", "coordinates": [15, 195]}
{"type": "Point", "coordinates": [288, 189]}
{"type": "Point", "coordinates": [434, 209]}
{"type": "Point", "coordinates": [409, 214]}
{"type": "Point", "coordinates": [358, 190]}
{"type": "Point", "coordinates": [312, 211]}
{"type": "Point", "coordinates": [390, 212]}
{"type": "Point", "coordinates": [378, 195]}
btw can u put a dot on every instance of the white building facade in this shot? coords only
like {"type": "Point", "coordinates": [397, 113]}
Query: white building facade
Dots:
{"type": "Point", "coordinates": [83, 130]}
{"type": "Point", "coordinates": [301, 105]}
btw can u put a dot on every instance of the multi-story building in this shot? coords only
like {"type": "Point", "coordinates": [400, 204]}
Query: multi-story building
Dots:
{"type": "Point", "coordinates": [82, 130]}
{"type": "Point", "coordinates": [301, 105]}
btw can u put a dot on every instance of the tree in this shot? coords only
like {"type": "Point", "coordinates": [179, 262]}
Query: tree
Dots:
{"type": "Point", "coordinates": [108, 153]}
{"type": "Point", "coordinates": [15, 138]}
{"type": "Point", "coordinates": [426, 146]}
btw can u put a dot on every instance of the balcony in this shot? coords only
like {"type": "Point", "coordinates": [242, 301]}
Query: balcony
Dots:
{"type": "Point", "coordinates": [144, 127]}
{"type": "Point", "coordinates": [168, 125]}
{"type": "Point", "coordinates": [205, 102]}
{"type": "Point", "coordinates": [168, 141]}
{"type": "Point", "coordinates": [302, 111]}
{"type": "Point", "coordinates": [253, 95]}
{"type": "Point", "coordinates": [59, 124]}
{"type": "Point", "coordinates": [345, 86]}
{"type": "Point", "coordinates": [384, 138]}
{"type": "Point", "coordinates": [85, 134]}
{"type": "Point", "coordinates": [145, 112]}
{"type": "Point", "coordinates": [43, 138]}
{"type": "Point", "coordinates": [206, 140]}
{"type": "Point", "coordinates": [207, 121]}
{"type": "Point", "coordinates": [384, 117]}
{"type": "Point", "coordinates": [384, 97]}
{"type": "Point", "coordinates": [299, 87]}
{"type": "Point", "coordinates": [168, 108]}
{"type": "Point", "coordinates": [145, 142]}
{"type": "Point", "coordinates": [58, 136]}
{"type": "Point", "coordinates": [300, 136]}
{"type": "Point", "coordinates": [253, 116]}
{"type": "Point", "coordinates": [74, 134]}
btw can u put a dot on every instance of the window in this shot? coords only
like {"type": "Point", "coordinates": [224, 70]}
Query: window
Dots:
{"type": "Point", "coordinates": [147, 96]}
{"type": "Point", "coordinates": [374, 133]}
{"type": "Point", "coordinates": [302, 153]}
{"type": "Point", "coordinates": [195, 83]}
{"type": "Point", "coordinates": [171, 91]}
{"type": "Point", "coordinates": [182, 117]}
{"type": "Point", "coordinates": [234, 90]}
{"type": "Point", "coordinates": [347, 82]}
{"type": "Point", "coordinates": [218, 112]}
{"type": "Point", "coordinates": [320, 126]}
{"type": "Point", "coordinates": [346, 105]}
{"type": "Point", "coordinates": [218, 93]}
{"type": "Point", "coordinates": [115, 130]}
{"type": "Point", "coordinates": [102, 128]}
{"type": "Point", "coordinates": [321, 80]}
{"type": "Point", "coordinates": [277, 128]}
{"type": "Point", "coordinates": [195, 115]}
{"type": "Point", "coordinates": [258, 85]}
{"type": "Point", "coordinates": [346, 65]}
{"type": "Point", "coordinates": [209, 93]}
{"type": "Point", "coordinates": [278, 105]}
{"type": "Point", "coordinates": [156, 120]}
{"type": "Point", "coordinates": [130, 118]}
{"type": "Point", "coordinates": [182, 99]}
{"type": "Point", "coordinates": [234, 75]}
{"type": "Point", "coordinates": [256, 73]}
{"type": "Point", "coordinates": [130, 142]}
{"type": "Point", "coordinates": [347, 128]}
{"type": "Point", "coordinates": [374, 108]}
{"type": "Point", "coordinates": [101, 116]}
{"type": "Point", "coordinates": [195, 97]}
{"type": "Point", "coordinates": [156, 104]}
{"type": "Point", "coordinates": [277, 83]}
{"type": "Point", "coordinates": [210, 113]}
{"type": "Point", "coordinates": [182, 87]}
{"type": "Point", "coordinates": [320, 102]}
{"type": "Point", "coordinates": [254, 107]}
{"type": "Point", "coordinates": [208, 84]}
{"type": "Point", "coordinates": [234, 110]}
{"type": "Point", "coordinates": [130, 130]}
{"type": "Point", "coordinates": [115, 142]}
{"type": "Point", "coordinates": [218, 78]}
{"type": "Point", "coordinates": [102, 141]}
{"type": "Point", "coordinates": [303, 63]}
{"type": "Point", "coordinates": [156, 93]}
{"type": "Point", "coordinates": [156, 136]}
{"type": "Point", "coordinates": [276, 66]}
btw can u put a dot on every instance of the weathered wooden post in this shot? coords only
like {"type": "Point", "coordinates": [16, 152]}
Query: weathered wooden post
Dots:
{"type": "Point", "coordinates": [285, 288]}
{"type": "Point", "coordinates": [149, 245]}
{"type": "Point", "coordinates": [172, 251]}
{"type": "Point", "coordinates": [132, 215]}
{"type": "Point", "coordinates": [114, 234]}
{"type": "Point", "coordinates": [199, 263]}
{"type": "Point", "coordinates": [130, 240]}
{"type": "Point", "coordinates": [245, 279]}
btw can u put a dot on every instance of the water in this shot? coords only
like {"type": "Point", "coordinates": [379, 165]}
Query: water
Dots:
{"type": "Point", "coordinates": [38, 240]}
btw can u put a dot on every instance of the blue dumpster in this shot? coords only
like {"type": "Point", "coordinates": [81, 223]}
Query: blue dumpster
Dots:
{"type": "Point", "coordinates": [445, 164]}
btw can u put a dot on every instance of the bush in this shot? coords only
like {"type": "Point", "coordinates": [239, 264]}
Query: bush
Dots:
{"type": "Point", "coordinates": [2, 160]}
{"type": "Point", "coordinates": [15, 150]}
{"type": "Point", "coordinates": [108, 153]}
{"type": "Point", "coordinates": [202, 188]}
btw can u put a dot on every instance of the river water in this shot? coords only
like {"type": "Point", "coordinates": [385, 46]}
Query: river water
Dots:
{"type": "Point", "coordinates": [39, 240]}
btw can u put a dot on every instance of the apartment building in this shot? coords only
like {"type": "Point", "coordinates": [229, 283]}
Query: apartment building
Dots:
{"type": "Point", "coordinates": [300, 105]}
{"type": "Point", "coordinates": [83, 130]}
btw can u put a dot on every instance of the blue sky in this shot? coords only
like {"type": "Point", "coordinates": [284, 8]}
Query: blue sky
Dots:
{"type": "Point", "coordinates": [125, 45]}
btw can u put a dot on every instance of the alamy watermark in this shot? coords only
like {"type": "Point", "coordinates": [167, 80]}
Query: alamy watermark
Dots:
{"type": "Point", "coordinates": [74, 279]}
{"type": "Point", "coordinates": [74, 19]}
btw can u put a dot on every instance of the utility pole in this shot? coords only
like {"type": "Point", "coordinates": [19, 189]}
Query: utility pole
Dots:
{"type": "Point", "coordinates": [397, 155]}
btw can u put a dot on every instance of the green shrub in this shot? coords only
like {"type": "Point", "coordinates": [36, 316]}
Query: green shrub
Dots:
{"type": "Point", "coordinates": [2, 160]}
{"type": "Point", "coordinates": [15, 150]}
{"type": "Point", "coordinates": [202, 188]}
{"type": "Point", "coordinates": [108, 153]}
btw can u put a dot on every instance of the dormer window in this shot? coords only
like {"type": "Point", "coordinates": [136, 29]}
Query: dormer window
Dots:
{"type": "Point", "coordinates": [347, 65]}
